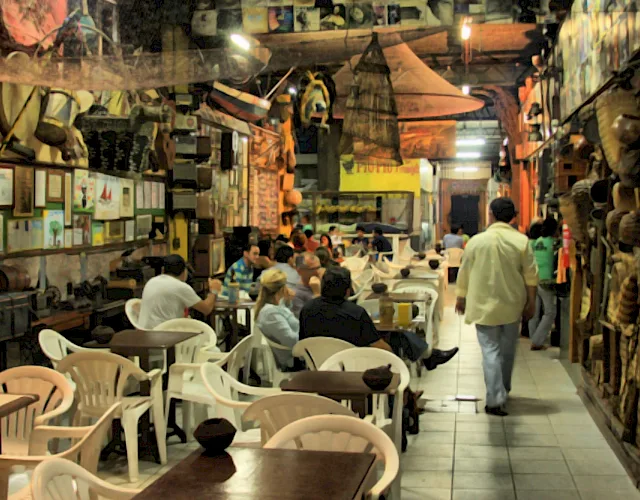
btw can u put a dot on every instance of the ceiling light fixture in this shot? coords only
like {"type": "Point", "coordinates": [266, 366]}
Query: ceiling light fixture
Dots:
{"type": "Point", "coordinates": [466, 89]}
{"type": "Point", "coordinates": [466, 169]}
{"type": "Point", "coordinates": [292, 90]}
{"type": "Point", "coordinates": [471, 142]}
{"type": "Point", "coordinates": [468, 154]}
{"type": "Point", "coordinates": [465, 31]}
{"type": "Point", "coordinates": [240, 41]}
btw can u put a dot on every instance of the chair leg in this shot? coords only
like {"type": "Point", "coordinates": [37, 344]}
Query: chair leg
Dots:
{"type": "Point", "coordinates": [161, 429]}
{"type": "Point", "coordinates": [130, 427]}
{"type": "Point", "coordinates": [187, 413]}
{"type": "Point", "coordinates": [167, 408]}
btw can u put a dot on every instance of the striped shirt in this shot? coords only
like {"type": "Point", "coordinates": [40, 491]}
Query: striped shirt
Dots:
{"type": "Point", "coordinates": [244, 276]}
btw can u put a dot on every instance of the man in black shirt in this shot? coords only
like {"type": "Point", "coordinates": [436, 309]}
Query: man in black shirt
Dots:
{"type": "Point", "coordinates": [331, 315]}
{"type": "Point", "coordinates": [380, 243]}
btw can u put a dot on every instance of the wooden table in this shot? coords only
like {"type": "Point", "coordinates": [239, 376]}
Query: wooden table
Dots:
{"type": "Point", "coordinates": [399, 297]}
{"type": "Point", "coordinates": [11, 403]}
{"type": "Point", "coordinates": [224, 308]}
{"type": "Point", "coordinates": [140, 343]}
{"type": "Point", "coordinates": [337, 385]}
{"type": "Point", "coordinates": [257, 473]}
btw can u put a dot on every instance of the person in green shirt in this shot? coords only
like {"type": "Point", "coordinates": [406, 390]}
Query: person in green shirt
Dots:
{"type": "Point", "coordinates": [544, 248]}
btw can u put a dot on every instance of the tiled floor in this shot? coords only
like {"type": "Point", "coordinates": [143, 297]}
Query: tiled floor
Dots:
{"type": "Point", "coordinates": [548, 448]}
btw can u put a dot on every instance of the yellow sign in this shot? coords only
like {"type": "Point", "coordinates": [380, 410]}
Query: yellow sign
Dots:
{"type": "Point", "coordinates": [356, 176]}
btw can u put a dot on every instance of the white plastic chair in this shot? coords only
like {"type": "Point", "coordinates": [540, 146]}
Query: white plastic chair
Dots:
{"type": "Point", "coordinates": [408, 253]}
{"type": "Point", "coordinates": [266, 346]}
{"type": "Point", "coordinates": [100, 379]}
{"type": "Point", "coordinates": [238, 358]}
{"type": "Point", "coordinates": [316, 350]}
{"type": "Point", "coordinates": [275, 412]}
{"type": "Point", "coordinates": [232, 398]}
{"type": "Point", "coordinates": [344, 434]}
{"type": "Point", "coordinates": [355, 264]}
{"type": "Point", "coordinates": [55, 398]}
{"type": "Point", "coordinates": [55, 346]}
{"type": "Point", "coordinates": [60, 479]}
{"type": "Point", "coordinates": [454, 257]}
{"type": "Point", "coordinates": [184, 375]}
{"type": "Point", "coordinates": [132, 310]}
{"type": "Point", "coordinates": [86, 444]}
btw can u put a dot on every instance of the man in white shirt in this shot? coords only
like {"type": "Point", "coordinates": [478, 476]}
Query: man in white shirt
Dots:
{"type": "Point", "coordinates": [167, 296]}
{"type": "Point", "coordinates": [336, 239]}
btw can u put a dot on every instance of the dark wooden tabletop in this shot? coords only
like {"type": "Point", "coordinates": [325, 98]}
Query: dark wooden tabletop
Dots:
{"type": "Point", "coordinates": [400, 297]}
{"type": "Point", "coordinates": [11, 403]}
{"type": "Point", "coordinates": [148, 339]}
{"type": "Point", "coordinates": [245, 473]}
{"type": "Point", "coordinates": [335, 385]}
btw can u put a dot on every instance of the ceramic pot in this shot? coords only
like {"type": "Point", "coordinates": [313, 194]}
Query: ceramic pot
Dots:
{"type": "Point", "coordinates": [215, 435]}
{"type": "Point", "coordinates": [378, 379]}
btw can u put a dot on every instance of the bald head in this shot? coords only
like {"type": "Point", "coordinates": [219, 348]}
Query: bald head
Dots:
{"type": "Point", "coordinates": [308, 266]}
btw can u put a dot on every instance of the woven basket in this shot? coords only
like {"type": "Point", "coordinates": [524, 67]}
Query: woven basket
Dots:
{"type": "Point", "coordinates": [613, 225]}
{"type": "Point", "coordinates": [630, 229]}
{"type": "Point", "coordinates": [608, 107]}
{"type": "Point", "coordinates": [581, 195]}
{"type": "Point", "coordinates": [569, 213]}
{"type": "Point", "coordinates": [623, 198]}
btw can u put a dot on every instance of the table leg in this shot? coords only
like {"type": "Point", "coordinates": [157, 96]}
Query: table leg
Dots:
{"type": "Point", "coordinates": [173, 429]}
{"type": "Point", "coordinates": [232, 340]}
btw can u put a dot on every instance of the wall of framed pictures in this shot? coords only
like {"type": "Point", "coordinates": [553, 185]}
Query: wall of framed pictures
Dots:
{"type": "Point", "coordinates": [50, 208]}
{"type": "Point", "coordinates": [594, 41]}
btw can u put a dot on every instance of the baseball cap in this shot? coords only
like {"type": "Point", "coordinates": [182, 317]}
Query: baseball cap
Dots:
{"type": "Point", "coordinates": [503, 209]}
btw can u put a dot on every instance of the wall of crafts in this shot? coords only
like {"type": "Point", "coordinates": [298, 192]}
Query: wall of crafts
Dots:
{"type": "Point", "coordinates": [52, 208]}
{"type": "Point", "coordinates": [592, 44]}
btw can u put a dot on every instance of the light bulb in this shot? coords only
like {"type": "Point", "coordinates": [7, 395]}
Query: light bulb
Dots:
{"type": "Point", "coordinates": [465, 32]}
{"type": "Point", "coordinates": [466, 89]}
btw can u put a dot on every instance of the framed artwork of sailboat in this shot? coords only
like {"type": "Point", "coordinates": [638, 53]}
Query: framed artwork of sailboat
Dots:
{"type": "Point", "coordinates": [107, 195]}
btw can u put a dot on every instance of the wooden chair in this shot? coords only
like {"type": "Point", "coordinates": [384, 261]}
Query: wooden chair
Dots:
{"type": "Point", "coordinates": [100, 379]}
{"type": "Point", "coordinates": [55, 394]}
{"type": "Point", "coordinates": [275, 412]}
{"type": "Point", "coordinates": [60, 479]}
{"type": "Point", "coordinates": [86, 449]}
{"type": "Point", "coordinates": [345, 434]}
{"type": "Point", "coordinates": [316, 350]}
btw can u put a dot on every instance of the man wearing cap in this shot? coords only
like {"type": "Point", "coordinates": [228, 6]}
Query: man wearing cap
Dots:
{"type": "Point", "coordinates": [167, 296]}
{"type": "Point", "coordinates": [496, 286]}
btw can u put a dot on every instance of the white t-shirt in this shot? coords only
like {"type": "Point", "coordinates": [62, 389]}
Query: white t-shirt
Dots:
{"type": "Point", "coordinates": [163, 298]}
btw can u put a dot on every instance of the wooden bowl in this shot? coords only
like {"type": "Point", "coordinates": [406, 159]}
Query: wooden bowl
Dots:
{"type": "Point", "coordinates": [215, 435]}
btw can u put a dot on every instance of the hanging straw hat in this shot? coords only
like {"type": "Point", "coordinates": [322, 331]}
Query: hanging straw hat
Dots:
{"type": "Point", "coordinates": [613, 224]}
{"type": "Point", "coordinates": [623, 198]}
{"type": "Point", "coordinates": [630, 229]}
{"type": "Point", "coordinates": [608, 107]}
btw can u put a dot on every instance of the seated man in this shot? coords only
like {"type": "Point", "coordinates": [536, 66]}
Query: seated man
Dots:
{"type": "Point", "coordinates": [361, 239]}
{"type": "Point", "coordinates": [332, 315]}
{"type": "Point", "coordinates": [381, 243]}
{"type": "Point", "coordinates": [242, 269]}
{"type": "Point", "coordinates": [309, 269]}
{"type": "Point", "coordinates": [167, 296]}
{"type": "Point", "coordinates": [284, 262]}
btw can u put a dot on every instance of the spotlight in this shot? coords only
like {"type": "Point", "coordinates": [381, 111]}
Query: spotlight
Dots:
{"type": "Point", "coordinates": [240, 41]}
{"type": "Point", "coordinates": [465, 31]}
{"type": "Point", "coordinates": [466, 89]}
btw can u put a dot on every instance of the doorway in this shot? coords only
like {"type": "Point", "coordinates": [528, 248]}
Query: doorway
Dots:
{"type": "Point", "coordinates": [465, 212]}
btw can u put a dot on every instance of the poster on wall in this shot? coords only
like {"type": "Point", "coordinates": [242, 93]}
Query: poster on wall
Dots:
{"type": "Point", "coordinates": [129, 230]}
{"type": "Point", "coordinates": [23, 235]}
{"type": "Point", "coordinates": [107, 197]}
{"type": "Point", "coordinates": [254, 20]}
{"type": "Point", "coordinates": [281, 19]}
{"type": "Point", "coordinates": [161, 198]}
{"type": "Point", "coordinates": [68, 199]}
{"type": "Point", "coordinates": [68, 238]}
{"type": "Point", "coordinates": [306, 19]}
{"type": "Point", "coordinates": [53, 228]}
{"type": "Point", "coordinates": [148, 188]}
{"type": "Point", "coordinates": [6, 187]}
{"type": "Point", "coordinates": [428, 139]}
{"type": "Point", "coordinates": [144, 224]}
{"type": "Point", "coordinates": [40, 197]}
{"type": "Point", "coordinates": [333, 18]}
{"type": "Point", "coordinates": [126, 197]}
{"type": "Point", "coordinates": [360, 15]}
{"type": "Point", "coordinates": [155, 195]}
{"type": "Point", "coordinates": [83, 191]}
{"type": "Point", "coordinates": [97, 234]}
{"type": "Point", "coordinates": [81, 230]}
{"type": "Point", "coordinates": [139, 195]}
{"type": "Point", "coordinates": [23, 180]}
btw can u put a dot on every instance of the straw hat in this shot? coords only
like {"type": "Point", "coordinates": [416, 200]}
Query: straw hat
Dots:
{"type": "Point", "coordinates": [613, 224]}
{"type": "Point", "coordinates": [623, 198]}
{"type": "Point", "coordinates": [630, 229]}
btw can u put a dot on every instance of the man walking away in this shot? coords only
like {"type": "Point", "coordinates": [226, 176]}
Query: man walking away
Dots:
{"type": "Point", "coordinates": [496, 286]}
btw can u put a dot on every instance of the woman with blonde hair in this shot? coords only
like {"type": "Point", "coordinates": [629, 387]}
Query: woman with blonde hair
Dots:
{"type": "Point", "coordinates": [274, 318]}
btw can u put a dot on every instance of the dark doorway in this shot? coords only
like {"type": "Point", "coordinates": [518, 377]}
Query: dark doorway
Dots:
{"type": "Point", "coordinates": [464, 211]}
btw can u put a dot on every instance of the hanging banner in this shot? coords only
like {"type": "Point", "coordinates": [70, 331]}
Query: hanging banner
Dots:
{"type": "Point", "coordinates": [355, 176]}
{"type": "Point", "coordinates": [433, 140]}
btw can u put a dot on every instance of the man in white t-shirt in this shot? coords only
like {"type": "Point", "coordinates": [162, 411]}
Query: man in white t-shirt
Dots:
{"type": "Point", "coordinates": [167, 296]}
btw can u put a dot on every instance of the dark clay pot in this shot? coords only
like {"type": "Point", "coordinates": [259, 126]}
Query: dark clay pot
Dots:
{"type": "Point", "coordinates": [379, 288]}
{"type": "Point", "coordinates": [378, 379]}
{"type": "Point", "coordinates": [405, 272]}
{"type": "Point", "coordinates": [215, 435]}
{"type": "Point", "coordinates": [434, 264]}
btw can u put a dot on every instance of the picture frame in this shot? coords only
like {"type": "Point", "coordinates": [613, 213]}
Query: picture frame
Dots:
{"type": "Point", "coordinates": [144, 224]}
{"type": "Point", "coordinates": [6, 186]}
{"type": "Point", "coordinates": [81, 230]}
{"type": "Point", "coordinates": [55, 185]}
{"type": "Point", "coordinates": [40, 191]}
{"type": "Point", "coordinates": [68, 199]}
{"type": "Point", "coordinates": [23, 178]}
{"type": "Point", "coordinates": [217, 256]}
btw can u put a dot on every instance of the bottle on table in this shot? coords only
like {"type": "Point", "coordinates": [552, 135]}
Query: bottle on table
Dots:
{"type": "Point", "coordinates": [234, 289]}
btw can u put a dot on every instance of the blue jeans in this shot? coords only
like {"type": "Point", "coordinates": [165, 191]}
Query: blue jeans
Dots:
{"type": "Point", "coordinates": [498, 344]}
{"type": "Point", "coordinates": [540, 328]}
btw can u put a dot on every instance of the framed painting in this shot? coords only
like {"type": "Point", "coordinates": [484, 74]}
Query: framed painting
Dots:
{"type": "Point", "coordinates": [107, 197]}
{"type": "Point", "coordinates": [81, 230]}
{"type": "Point", "coordinates": [23, 189]}
{"type": "Point", "coordinates": [53, 229]}
{"type": "Point", "coordinates": [68, 198]}
{"type": "Point", "coordinates": [55, 185]}
{"type": "Point", "coordinates": [40, 197]}
{"type": "Point", "coordinates": [127, 195]}
{"type": "Point", "coordinates": [83, 191]}
{"type": "Point", "coordinates": [6, 186]}
{"type": "Point", "coordinates": [144, 224]}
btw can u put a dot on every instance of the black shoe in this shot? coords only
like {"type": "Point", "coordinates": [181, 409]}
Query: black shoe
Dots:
{"type": "Point", "coordinates": [497, 411]}
{"type": "Point", "coordinates": [439, 357]}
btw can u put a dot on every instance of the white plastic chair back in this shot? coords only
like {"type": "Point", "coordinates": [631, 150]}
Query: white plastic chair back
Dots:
{"type": "Point", "coordinates": [428, 314]}
{"type": "Point", "coordinates": [345, 434]}
{"type": "Point", "coordinates": [55, 395]}
{"type": "Point", "coordinates": [316, 350]}
{"type": "Point", "coordinates": [355, 264]}
{"type": "Point", "coordinates": [132, 310]}
{"type": "Point", "coordinates": [237, 358]}
{"type": "Point", "coordinates": [100, 378]}
{"type": "Point", "coordinates": [189, 325]}
{"type": "Point", "coordinates": [275, 412]}
{"type": "Point", "coordinates": [454, 257]}
{"type": "Point", "coordinates": [407, 252]}
{"type": "Point", "coordinates": [58, 479]}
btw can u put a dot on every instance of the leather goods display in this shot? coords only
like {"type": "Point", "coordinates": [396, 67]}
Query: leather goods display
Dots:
{"type": "Point", "coordinates": [205, 207]}
{"type": "Point", "coordinates": [183, 201]}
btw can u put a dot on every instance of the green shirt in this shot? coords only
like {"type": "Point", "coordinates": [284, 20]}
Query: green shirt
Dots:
{"type": "Point", "coordinates": [543, 251]}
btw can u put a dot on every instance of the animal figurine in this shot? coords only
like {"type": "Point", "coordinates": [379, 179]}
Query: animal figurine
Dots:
{"type": "Point", "coordinates": [315, 102]}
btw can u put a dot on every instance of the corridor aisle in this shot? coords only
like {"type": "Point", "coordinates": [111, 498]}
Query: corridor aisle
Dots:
{"type": "Point", "coordinates": [548, 448]}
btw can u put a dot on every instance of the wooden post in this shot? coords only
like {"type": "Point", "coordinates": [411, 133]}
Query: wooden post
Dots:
{"type": "Point", "coordinates": [575, 305]}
